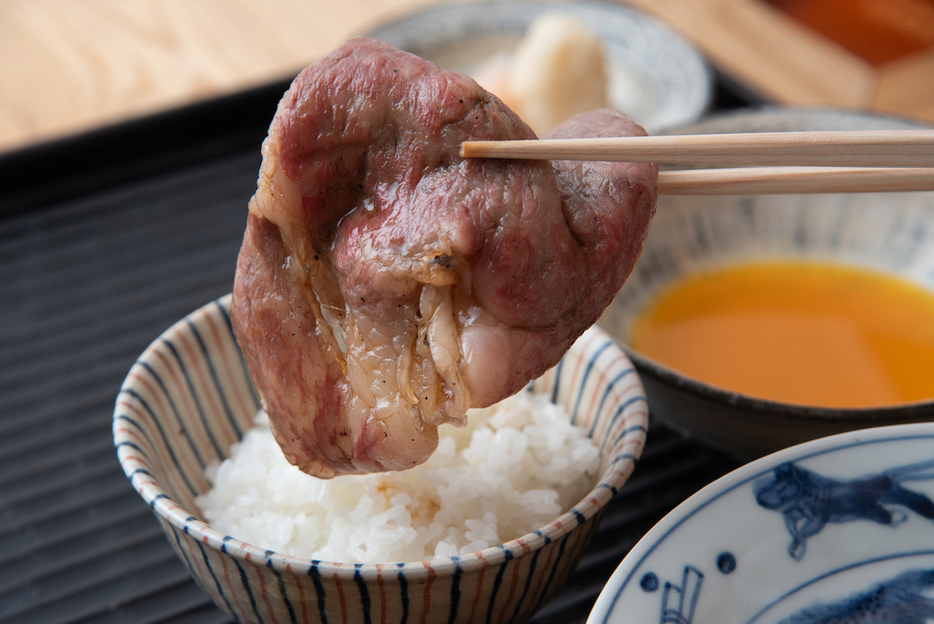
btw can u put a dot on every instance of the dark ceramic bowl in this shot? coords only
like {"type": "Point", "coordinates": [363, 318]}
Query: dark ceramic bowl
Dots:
{"type": "Point", "coordinates": [888, 232]}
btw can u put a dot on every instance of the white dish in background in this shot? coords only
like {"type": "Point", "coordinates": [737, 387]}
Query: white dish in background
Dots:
{"type": "Point", "coordinates": [835, 530]}
{"type": "Point", "coordinates": [656, 77]}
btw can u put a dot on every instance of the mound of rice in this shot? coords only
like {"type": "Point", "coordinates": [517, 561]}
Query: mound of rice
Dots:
{"type": "Point", "coordinates": [515, 467]}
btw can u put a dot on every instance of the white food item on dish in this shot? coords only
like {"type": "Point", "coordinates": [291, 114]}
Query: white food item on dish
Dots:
{"type": "Point", "coordinates": [557, 70]}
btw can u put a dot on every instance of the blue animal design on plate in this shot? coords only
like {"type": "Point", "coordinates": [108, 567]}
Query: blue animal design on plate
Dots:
{"type": "Point", "coordinates": [808, 501]}
{"type": "Point", "coordinates": [897, 601]}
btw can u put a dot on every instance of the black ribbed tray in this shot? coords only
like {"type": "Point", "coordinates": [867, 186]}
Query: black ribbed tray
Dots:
{"type": "Point", "coordinates": [105, 240]}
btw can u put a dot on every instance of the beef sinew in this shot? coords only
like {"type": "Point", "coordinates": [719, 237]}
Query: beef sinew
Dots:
{"type": "Point", "coordinates": [385, 284]}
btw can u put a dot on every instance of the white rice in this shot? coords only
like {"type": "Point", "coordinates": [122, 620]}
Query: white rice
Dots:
{"type": "Point", "coordinates": [515, 467]}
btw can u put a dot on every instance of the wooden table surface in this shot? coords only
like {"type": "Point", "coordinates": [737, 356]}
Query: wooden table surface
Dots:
{"type": "Point", "coordinates": [68, 66]}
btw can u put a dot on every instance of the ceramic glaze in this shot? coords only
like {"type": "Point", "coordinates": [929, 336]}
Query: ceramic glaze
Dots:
{"type": "Point", "coordinates": [189, 397]}
{"type": "Point", "coordinates": [656, 76]}
{"type": "Point", "coordinates": [835, 530]}
{"type": "Point", "coordinates": [890, 233]}
{"type": "Point", "coordinates": [809, 501]}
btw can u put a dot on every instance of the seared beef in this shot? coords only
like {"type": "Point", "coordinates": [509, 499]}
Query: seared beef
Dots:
{"type": "Point", "coordinates": [385, 284]}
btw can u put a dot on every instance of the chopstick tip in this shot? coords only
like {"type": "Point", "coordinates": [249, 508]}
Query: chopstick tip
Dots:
{"type": "Point", "coordinates": [468, 149]}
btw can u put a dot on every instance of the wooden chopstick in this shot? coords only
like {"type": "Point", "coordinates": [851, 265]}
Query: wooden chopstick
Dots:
{"type": "Point", "coordinates": [776, 180]}
{"type": "Point", "coordinates": [840, 148]}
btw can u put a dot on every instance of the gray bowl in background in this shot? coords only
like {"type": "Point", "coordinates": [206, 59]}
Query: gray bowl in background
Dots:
{"type": "Point", "coordinates": [657, 77]}
{"type": "Point", "coordinates": [888, 232]}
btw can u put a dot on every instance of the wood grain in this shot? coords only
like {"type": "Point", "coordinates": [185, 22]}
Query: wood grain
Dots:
{"type": "Point", "coordinates": [765, 49]}
{"type": "Point", "coordinates": [785, 180]}
{"type": "Point", "coordinates": [906, 86]}
{"type": "Point", "coordinates": [845, 148]}
{"type": "Point", "coordinates": [69, 66]}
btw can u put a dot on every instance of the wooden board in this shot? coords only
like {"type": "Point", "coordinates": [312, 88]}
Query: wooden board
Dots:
{"type": "Point", "coordinates": [764, 48]}
{"type": "Point", "coordinates": [69, 66]}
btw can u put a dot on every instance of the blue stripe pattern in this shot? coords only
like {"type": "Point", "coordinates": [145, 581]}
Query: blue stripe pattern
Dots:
{"type": "Point", "coordinates": [176, 411]}
{"type": "Point", "coordinates": [364, 593]}
{"type": "Point", "coordinates": [167, 443]}
{"type": "Point", "coordinates": [191, 386]}
{"type": "Point", "coordinates": [455, 598]}
{"type": "Point", "coordinates": [280, 584]}
{"type": "Point", "coordinates": [221, 308]}
{"type": "Point", "coordinates": [498, 582]}
{"type": "Point", "coordinates": [403, 594]}
{"type": "Point", "coordinates": [180, 421]}
{"type": "Point", "coordinates": [582, 386]}
{"type": "Point", "coordinates": [217, 384]}
{"type": "Point", "coordinates": [315, 574]}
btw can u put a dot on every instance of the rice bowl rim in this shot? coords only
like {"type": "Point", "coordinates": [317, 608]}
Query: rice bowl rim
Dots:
{"type": "Point", "coordinates": [138, 469]}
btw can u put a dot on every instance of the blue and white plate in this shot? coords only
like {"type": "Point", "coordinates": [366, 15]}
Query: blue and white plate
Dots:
{"type": "Point", "coordinates": [840, 529]}
{"type": "Point", "coordinates": [656, 76]}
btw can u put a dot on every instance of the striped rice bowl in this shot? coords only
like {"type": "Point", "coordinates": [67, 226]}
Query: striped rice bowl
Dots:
{"type": "Point", "coordinates": [188, 400]}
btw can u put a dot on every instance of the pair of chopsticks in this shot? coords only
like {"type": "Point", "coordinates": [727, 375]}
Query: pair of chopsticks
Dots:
{"type": "Point", "coordinates": [838, 161]}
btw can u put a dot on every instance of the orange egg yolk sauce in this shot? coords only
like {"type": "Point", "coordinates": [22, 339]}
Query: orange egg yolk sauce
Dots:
{"type": "Point", "coordinates": [802, 332]}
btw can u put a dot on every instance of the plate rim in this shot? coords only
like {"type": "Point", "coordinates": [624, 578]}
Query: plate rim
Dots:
{"type": "Point", "coordinates": [603, 609]}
